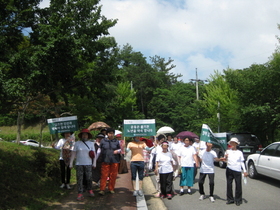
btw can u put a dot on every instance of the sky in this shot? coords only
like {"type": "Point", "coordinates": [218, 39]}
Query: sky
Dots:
{"type": "Point", "coordinates": [206, 35]}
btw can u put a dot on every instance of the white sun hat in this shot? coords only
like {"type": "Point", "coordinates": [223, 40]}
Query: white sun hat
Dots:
{"type": "Point", "coordinates": [234, 140]}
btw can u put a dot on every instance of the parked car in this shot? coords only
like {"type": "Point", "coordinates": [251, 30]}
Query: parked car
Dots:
{"type": "Point", "coordinates": [266, 163]}
{"type": "Point", "coordinates": [249, 144]}
{"type": "Point", "coordinates": [30, 142]}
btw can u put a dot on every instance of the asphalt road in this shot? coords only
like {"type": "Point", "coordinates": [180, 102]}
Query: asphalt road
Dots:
{"type": "Point", "coordinates": [258, 194]}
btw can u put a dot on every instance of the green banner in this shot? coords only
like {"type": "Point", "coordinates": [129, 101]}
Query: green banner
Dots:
{"type": "Point", "coordinates": [207, 135]}
{"type": "Point", "coordinates": [63, 124]}
{"type": "Point", "coordinates": [139, 128]}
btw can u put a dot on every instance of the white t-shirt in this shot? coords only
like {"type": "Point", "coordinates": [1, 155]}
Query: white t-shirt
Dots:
{"type": "Point", "coordinates": [234, 160]}
{"type": "Point", "coordinates": [200, 146]}
{"type": "Point", "coordinates": [176, 147]}
{"type": "Point", "coordinates": [98, 150]}
{"type": "Point", "coordinates": [164, 162]}
{"type": "Point", "coordinates": [186, 154]}
{"type": "Point", "coordinates": [156, 150]}
{"type": "Point", "coordinates": [82, 156]}
{"type": "Point", "coordinates": [60, 144]}
{"type": "Point", "coordinates": [170, 143]}
{"type": "Point", "coordinates": [207, 162]}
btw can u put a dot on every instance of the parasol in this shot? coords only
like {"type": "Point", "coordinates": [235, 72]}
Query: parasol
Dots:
{"type": "Point", "coordinates": [185, 134]}
{"type": "Point", "coordinates": [117, 132]}
{"type": "Point", "coordinates": [98, 126]}
{"type": "Point", "coordinates": [165, 129]}
{"type": "Point", "coordinates": [149, 143]}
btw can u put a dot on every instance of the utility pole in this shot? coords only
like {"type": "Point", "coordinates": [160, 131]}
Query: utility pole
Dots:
{"type": "Point", "coordinates": [196, 84]}
{"type": "Point", "coordinates": [219, 117]}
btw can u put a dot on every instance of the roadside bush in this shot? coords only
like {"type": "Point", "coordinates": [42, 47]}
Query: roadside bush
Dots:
{"type": "Point", "coordinates": [7, 121]}
{"type": "Point", "coordinates": [29, 176]}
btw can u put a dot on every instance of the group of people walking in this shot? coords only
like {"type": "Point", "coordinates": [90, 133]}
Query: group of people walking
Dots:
{"type": "Point", "coordinates": [169, 158]}
{"type": "Point", "coordinates": [189, 156]}
{"type": "Point", "coordinates": [96, 161]}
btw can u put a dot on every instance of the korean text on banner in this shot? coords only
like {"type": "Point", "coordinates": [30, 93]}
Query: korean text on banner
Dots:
{"type": "Point", "coordinates": [63, 124]}
{"type": "Point", "coordinates": [144, 127]}
{"type": "Point", "coordinates": [215, 138]}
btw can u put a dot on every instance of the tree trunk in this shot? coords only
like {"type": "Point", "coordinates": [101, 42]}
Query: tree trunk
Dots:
{"type": "Point", "coordinates": [19, 121]}
{"type": "Point", "coordinates": [43, 125]}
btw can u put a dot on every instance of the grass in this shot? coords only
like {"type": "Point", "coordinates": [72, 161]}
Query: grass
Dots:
{"type": "Point", "coordinates": [9, 133]}
{"type": "Point", "coordinates": [30, 177]}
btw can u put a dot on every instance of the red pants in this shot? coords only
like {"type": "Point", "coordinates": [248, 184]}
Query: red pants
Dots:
{"type": "Point", "coordinates": [111, 171]}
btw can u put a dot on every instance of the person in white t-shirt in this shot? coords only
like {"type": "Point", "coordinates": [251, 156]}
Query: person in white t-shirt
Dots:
{"type": "Point", "coordinates": [176, 145]}
{"type": "Point", "coordinates": [169, 139]}
{"type": "Point", "coordinates": [187, 157]}
{"type": "Point", "coordinates": [96, 172]}
{"type": "Point", "coordinates": [164, 167]}
{"type": "Point", "coordinates": [207, 158]}
{"type": "Point", "coordinates": [65, 145]}
{"type": "Point", "coordinates": [175, 148]}
{"type": "Point", "coordinates": [199, 146]}
{"type": "Point", "coordinates": [157, 149]}
{"type": "Point", "coordinates": [84, 163]}
{"type": "Point", "coordinates": [235, 164]}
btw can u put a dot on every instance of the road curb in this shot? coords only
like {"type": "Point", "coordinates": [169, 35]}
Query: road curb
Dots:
{"type": "Point", "coordinates": [152, 203]}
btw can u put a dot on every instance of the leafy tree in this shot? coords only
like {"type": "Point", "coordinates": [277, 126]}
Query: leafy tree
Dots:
{"type": "Point", "coordinates": [258, 91]}
{"type": "Point", "coordinates": [144, 76]}
{"type": "Point", "coordinates": [122, 105]}
{"type": "Point", "coordinates": [177, 107]}
{"type": "Point", "coordinates": [220, 98]}
{"type": "Point", "coordinates": [63, 52]}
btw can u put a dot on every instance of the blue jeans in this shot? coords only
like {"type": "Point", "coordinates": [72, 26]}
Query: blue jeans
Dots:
{"type": "Point", "coordinates": [137, 166]}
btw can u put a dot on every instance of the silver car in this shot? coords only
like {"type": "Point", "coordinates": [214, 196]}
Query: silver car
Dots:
{"type": "Point", "coordinates": [266, 163]}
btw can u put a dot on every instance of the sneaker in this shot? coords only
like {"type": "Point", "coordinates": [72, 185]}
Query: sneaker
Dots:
{"type": "Point", "coordinates": [101, 192]}
{"type": "Point", "coordinates": [157, 195]}
{"type": "Point", "coordinates": [68, 187]}
{"type": "Point", "coordinates": [112, 191]}
{"type": "Point", "coordinates": [162, 196]}
{"type": "Point", "coordinates": [62, 186]}
{"type": "Point", "coordinates": [202, 197]}
{"type": "Point", "coordinates": [80, 197]}
{"type": "Point", "coordinates": [135, 193]}
{"type": "Point", "coordinates": [169, 196]}
{"type": "Point", "coordinates": [211, 198]}
{"type": "Point", "coordinates": [91, 193]}
{"type": "Point", "coordinates": [140, 193]}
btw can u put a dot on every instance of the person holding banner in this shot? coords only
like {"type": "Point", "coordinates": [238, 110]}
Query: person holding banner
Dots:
{"type": "Point", "coordinates": [207, 158]}
{"type": "Point", "coordinates": [84, 162]}
{"type": "Point", "coordinates": [235, 164]}
{"type": "Point", "coordinates": [187, 157]}
{"type": "Point", "coordinates": [137, 163]}
{"type": "Point", "coordinates": [65, 145]}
